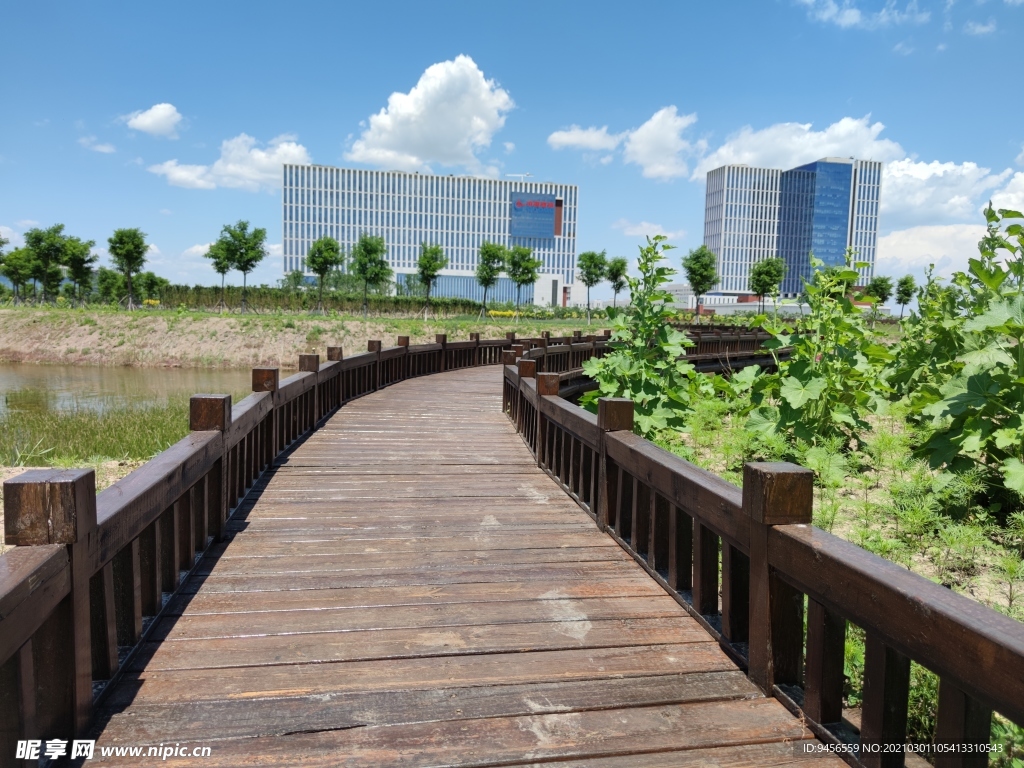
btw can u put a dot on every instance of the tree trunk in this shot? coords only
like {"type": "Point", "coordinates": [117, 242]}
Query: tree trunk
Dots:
{"type": "Point", "coordinates": [366, 288]}
{"type": "Point", "coordinates": [588, 305]}
{"type": "Point", "coordinates": [902, 307]}
{"type": "Point", "coordinates": [128, 279]}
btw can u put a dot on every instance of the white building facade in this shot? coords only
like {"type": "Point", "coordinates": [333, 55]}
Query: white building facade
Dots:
{"type": "Point", "coordinates": [459, 213]}
{"type": "Point", "coordinates": [741, 222]}
{"type": "Point", "coordinates": [823, 208]}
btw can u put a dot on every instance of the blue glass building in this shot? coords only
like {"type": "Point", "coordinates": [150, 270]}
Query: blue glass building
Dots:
{"type": "Point", "coordinates": [822, 208]}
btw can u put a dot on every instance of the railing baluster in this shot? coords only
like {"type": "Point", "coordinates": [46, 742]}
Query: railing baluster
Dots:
{"type": "Point", "coordinates": [735, 593]}
{"type": "Point", "coordinates": [149, 569]}
{"type": "Point", "coordinates": [961, 720]}
{"type": "Point", "coordinates": [658, 548]}
{"type": "Point", "coordinates": [826, 645]}
{"type": "Point", "coordinates": [705, 569]}
{"type": "Point", "coordinates": [169, 538]}
{"type": "Point", "coordinates": [127, 571]}
{"type": "Point", "coordinates": [886, 693]}
{"type": "Point", "coordinates": [103, 623]}
{"type": "Point", "coordinates": [186, 539]}
{"type": "Point", "coordinates": [680, 552]}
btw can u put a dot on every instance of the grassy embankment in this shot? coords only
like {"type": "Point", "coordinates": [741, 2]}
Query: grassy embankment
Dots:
{"type": "Point", "coordinates": [163, 338]}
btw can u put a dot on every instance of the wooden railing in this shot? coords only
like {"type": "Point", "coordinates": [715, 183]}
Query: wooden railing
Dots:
{"type": "Point", "coordinates": [776, 592]}
{"type": "Point", "coordinates": [89, 574]}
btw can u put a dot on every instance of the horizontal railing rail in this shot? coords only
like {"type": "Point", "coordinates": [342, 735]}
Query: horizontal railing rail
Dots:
{"type": "Point", "coordinates": [776, 592]}
{"type": "Point", "coordinates": [88, 574]}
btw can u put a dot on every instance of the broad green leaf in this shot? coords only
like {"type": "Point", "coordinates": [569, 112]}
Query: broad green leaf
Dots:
{"type": "Point", "coordinates": [1013, 474]}
{"type": "Point", "coordinates": [797, 393]}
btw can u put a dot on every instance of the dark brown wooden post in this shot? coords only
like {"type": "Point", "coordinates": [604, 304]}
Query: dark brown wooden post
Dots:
{"type": "Point", "coordinates": [442, 339]}
{"type": "Point", "coordinates": [774, 494]}
{"type": "Point", "coordinates": [961, 720]}
{"type": "Point", "coordinates": [311, 364]}
{"type": "Point", "coordinates": [209, 413]}
{"type": "Point", "coordinates": [705, 569]}
{"type": "Point", "coordinates": [614, 414]}
{"type": "Point", "coordinates": [335, 354]}
{"type": "Point", "coordinates": [547, 386]}
{"type": "Point", "coordinates": [510, 336]}
{"type": "Point", "coordinates": [263, 380]}
{"type": "Point", "coordinates": [508, 357]}
{"type": "Point", "coordinates": [59, 507]}
{"type": "Point", "coordinates": [884, 714]}
{"type": "Point", "coordinates": [826, 645]}
{"type": "Point", "coordinates": [527, 369]}
{"type": "Point", "coordinates": [374, 346]}
{"type": "Point", "coordinates": [475, 337]}
{"type": "Point", "coordinates": [518, 349]}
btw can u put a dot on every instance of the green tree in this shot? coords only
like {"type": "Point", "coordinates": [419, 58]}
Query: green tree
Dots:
{"type": "Point", "coordinates": [647, 362]}
{"type": "Point", "coordinates": [245, 249]}
{"type": "Point", "coordinates": [221, 262]}
{"type": "Point", "coordinates": [905, 289]}
{"type": "Point", "coordinates": [493, 258]}
{"type": "Point", "coordinates": [324, 255]}
{"type": "Point", "coordinates": [48, 247]}
{"type": "Point", "coordinates": [128, 250]}
{"type": "Point", "coordinates": [151, 285]}
{"type": "Point", "coordinates": [522, 268]}
{"type": "Point", "coordinates": [701, 272]}
{"type": "Point", "coordinates": [592, 268]}
{"type": "Point", "coordinates": [18, 267]}
{"type": "Point", "coordinates": [432, 260]}
{"type": "Point", "coordinates": [79, 259]}
{"type": "Point", "coordinates": [879, 288]}
{"type": "Point", "coordinates": [369, 264]}
{"type": "Point", "coordinates": [766, 277]}
{"type": "Point", "coordinates": [110, 285]}
{"type": "Point", "coordinates": [293, 281]}
{"type": "Point", "coordinates": [616, 274]}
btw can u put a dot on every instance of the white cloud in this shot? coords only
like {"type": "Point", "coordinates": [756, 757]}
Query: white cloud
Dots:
{"type": "Point", "coordinates": [940, 47]}
{"type": "Point", "coordinates": [197, 250]}
{"type": "Point", "coordinates": [903, 48]}
{"type": "Point", "coordinates": [241, 165]}
{"type": "Point", "coordinates": [89, 142]}
{"type": "Point", "coordinates": [847, 15]}
{"type": "Point", "coordinates": [595, 139]}
{"type": "Point", "coordinates": [910, 251]}
{"type": "Point", "coordinates": [977, 28]}
{"type": "Point", "coordinates": [447, 118]}
{"type": "Point", "coordinates": [918, 192]}
{"type": "Point", "coordinates": [153, 250]}
{"type": "Point", "coordinates": [646, 229]}
{"type": "Point", "coordinates": [159, 120]}
{"type": "Point", "coordinates": [27, 223]}
{"type": "Point", "coordinates": [1012, 195]}
{"type": "Point", "coordinates": [657, 146]}
{"type": "Point", "coordinates": [1020, 158]}
{"type": "Point", "coordinates": [14, 239]}
{"type": "Point", "coordinates": [166, 211]}
{"type": "Point", "coordinates": [509, 147]}
{"type": "Point", "coordinates": [785, 145]}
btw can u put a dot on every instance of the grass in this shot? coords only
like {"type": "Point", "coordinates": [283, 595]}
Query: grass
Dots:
{"type": "Point", "coordinates": [890, 503]}
{"type": "Point", "coordinates": [84, 436]}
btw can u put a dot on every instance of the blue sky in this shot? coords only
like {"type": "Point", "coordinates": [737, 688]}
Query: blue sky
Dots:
{"type": "Point", "coordinates": [175, 117]}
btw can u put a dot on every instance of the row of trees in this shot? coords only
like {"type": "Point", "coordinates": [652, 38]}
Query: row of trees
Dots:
{"type": "Point", "coordinates": [49, 257]}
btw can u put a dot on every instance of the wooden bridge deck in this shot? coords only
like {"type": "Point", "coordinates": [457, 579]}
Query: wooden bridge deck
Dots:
{"type": "Point", "coordinates": [408, 588]}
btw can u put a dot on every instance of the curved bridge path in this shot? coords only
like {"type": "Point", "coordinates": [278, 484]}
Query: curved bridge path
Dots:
{"type": "Point", "coordinates": [406, 587]}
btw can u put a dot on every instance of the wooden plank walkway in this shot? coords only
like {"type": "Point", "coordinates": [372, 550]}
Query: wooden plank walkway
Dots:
{"type": "Point", "coordinates": [408, 588]}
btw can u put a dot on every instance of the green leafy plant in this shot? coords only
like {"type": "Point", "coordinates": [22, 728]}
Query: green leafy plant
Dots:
{"type": "Point", "coordinates": [833, 380]}
{"type": "Point", "coordinates": [970, 395]}
{"type": "Point", "coordinates": [647, 362]}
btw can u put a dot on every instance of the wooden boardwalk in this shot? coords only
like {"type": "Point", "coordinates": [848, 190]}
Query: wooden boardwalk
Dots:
{"type": "Point", "coordinates": [407, 588]}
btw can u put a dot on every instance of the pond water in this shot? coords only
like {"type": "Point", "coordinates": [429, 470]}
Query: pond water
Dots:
{"type": "Point", "coordinates": [69, 387]}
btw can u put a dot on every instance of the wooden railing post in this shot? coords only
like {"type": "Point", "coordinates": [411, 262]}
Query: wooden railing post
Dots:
{"type": "Point", "coordinates": [375, 347]}
{"type": "Point", "coordinates": [508, 357]}
{"type": "Point", "coordinates": [311, 364]}
{"type": "Point", "coordinates": [614, 414]}
{"type": "Point", "coordinates": [46, 506]}
{"type": "Point", "coordinates": [212, 413]}
{"type": "Point", "coordinates": [475, 337]}
{"type": "Point", "coordinates": [547, 385]}
{"type": "Point", "coordinates": [335, 354]}
{"type": "Point", "coordinates": [403, 341]}
{"type": "Point", "coordinates": [269, 380]}
{"type": "Point", "coordinates": [774, 494]}
{"type": "Point", "coordinates": [442, 339]}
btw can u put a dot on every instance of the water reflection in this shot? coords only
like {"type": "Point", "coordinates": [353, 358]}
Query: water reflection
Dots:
{"type": "Point", "coordinates": [67, 387]}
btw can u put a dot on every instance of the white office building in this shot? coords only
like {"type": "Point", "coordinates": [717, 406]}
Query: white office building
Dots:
{"type": "Point", "coordinates": [741, 222]}
{"type": "Point", "coordinates": [823, 208]}
{"type": "Point", "coordinates": [458, 213]}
